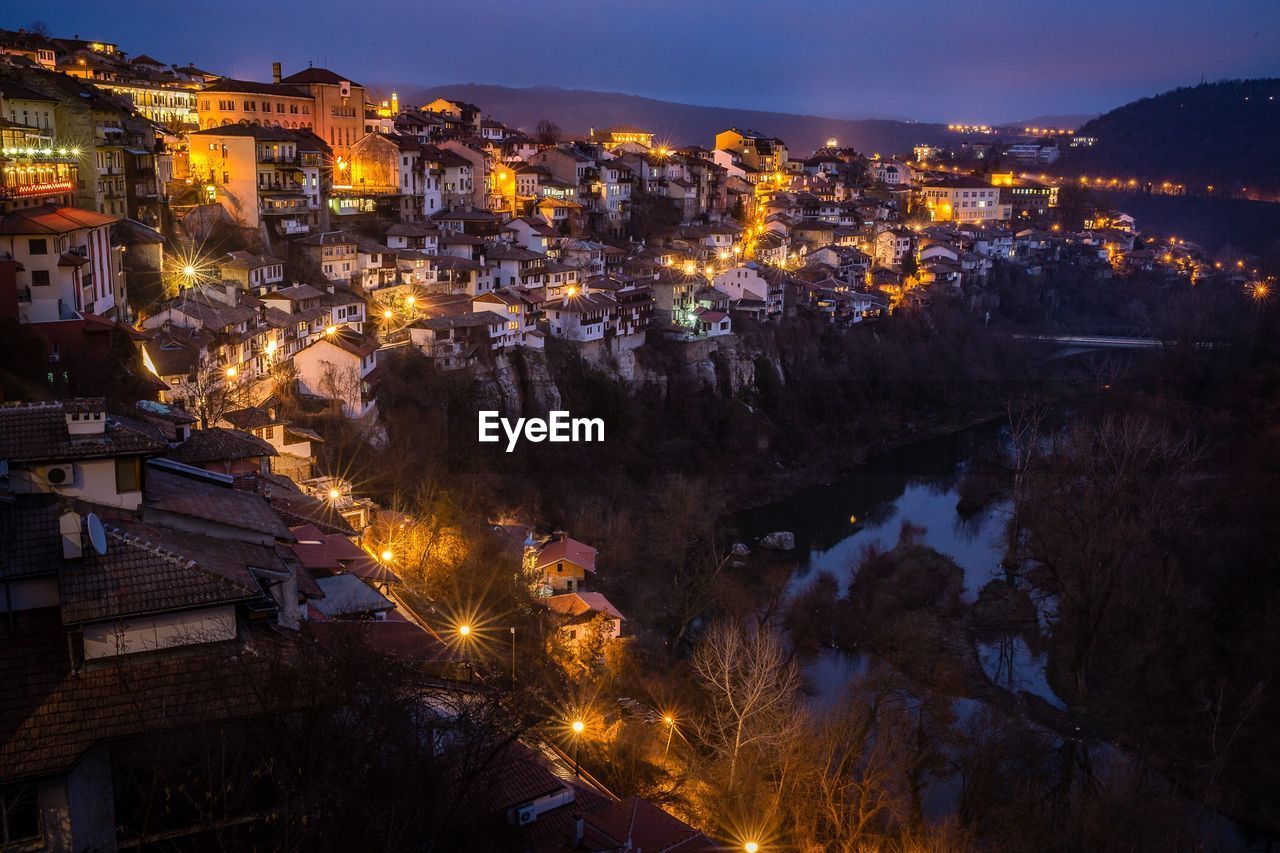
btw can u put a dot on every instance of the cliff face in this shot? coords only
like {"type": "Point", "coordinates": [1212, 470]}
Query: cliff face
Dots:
{"type": "Point", "coordinates": [527, 381]}
{"type": "Point", "coordinates": [518, 384]}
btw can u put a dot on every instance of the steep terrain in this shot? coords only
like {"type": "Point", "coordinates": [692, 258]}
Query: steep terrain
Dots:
{"type": "Point", "coordinates": [1226, 134]}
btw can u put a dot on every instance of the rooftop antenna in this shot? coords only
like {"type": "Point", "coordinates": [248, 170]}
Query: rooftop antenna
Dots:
{"type": "Point", "coordinates": [97, 534]}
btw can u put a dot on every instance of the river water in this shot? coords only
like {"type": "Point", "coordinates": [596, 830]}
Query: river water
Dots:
{"type": "Point", "coordinates": [834, 523]}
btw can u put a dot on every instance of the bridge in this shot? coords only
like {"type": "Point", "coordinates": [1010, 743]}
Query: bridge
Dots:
{"type": "Point", "coordinates": [1093, 342]}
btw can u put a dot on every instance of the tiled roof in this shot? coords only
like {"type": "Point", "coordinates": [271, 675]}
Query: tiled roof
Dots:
{"type": "Point", "coordinates": [569, 550]}
{"type": "Point", "coordinates": [251, 417]}
{"type": "Point", "coordinates": [347, 595]}
{"type": "Point", "coordinates": [217, 444]}
{"type": "Point", "coordinates": [250, 87]}
{"type": "Point", "coordinates": [51, 219]}
{"type": "Point", "coordinates": [169, 492]}
{"type": "Point", "coordinates": [644, 826]}
{"type": "Point", "coordinates": [578, 603]}
{"type": "Point", "coordinates": [316, 75]}
{"type": "Point", "coordinates": [138, 576]}
{"type": "Point", "coordinates": [35, 432]}
{"type": "Point", "coordinates": [30, 544]}
{"type": "Point", "coordinates": [49, 715]}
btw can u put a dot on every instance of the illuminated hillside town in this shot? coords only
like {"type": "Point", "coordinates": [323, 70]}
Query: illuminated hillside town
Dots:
{"type": "Point", "coordinates": [264, 586]}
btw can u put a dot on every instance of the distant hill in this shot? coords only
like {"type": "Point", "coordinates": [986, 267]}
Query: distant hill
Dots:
{"type": "Point", "coordinates": [1066, 122]}
{"type": "Point", "coordinates": [576, 111]}
{"type": "Point", "coordinates": [1226, 134]}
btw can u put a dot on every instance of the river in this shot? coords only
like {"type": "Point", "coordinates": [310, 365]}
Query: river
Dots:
{"type": "Point", "coordinates": [834, 523]}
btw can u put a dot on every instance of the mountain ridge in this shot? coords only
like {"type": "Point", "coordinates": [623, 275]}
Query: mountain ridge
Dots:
{"type": "Point", "coordinates": [576, 111]}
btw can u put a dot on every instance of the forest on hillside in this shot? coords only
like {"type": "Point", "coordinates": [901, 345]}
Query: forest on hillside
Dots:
{"type": "Point", "coordinates": [1224, 134]}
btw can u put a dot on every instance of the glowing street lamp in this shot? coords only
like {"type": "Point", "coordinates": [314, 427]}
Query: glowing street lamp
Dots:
{"type": "Point", "coordinates": [387, 555]}
{"type": "Point", "coordinates": [751, 847]}
{"type": "Point", "coordinates": [577, 726]}
{"type": "Point", "coordinates": [671, 729]}
{"type": "Point", "coordinates": [231, 372]}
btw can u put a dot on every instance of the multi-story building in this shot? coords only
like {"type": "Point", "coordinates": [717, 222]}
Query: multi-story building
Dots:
{"type": "Point", "coordinates": [964, 200]}
{"type": "Point", "coordinates": [68, 263]}
{"type": "Point", "coordinates": [227, 101]}
{"type": "Point", "coordinates": [335, 251]}
{"type": "Point", "coordinates": [338, 107]}
{"type": "Point", "coordinates": [760, 152]}
{"type": "Point", "coordinates": [384, 177]}
{"type": "Point", "coordinates": [260, 174]}
{"type": "Point", "coordinates": [33, 169]}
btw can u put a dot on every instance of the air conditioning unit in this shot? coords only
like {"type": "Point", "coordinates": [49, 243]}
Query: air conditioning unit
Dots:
{"type": "Point", "coordinates": [526, 815]}
{"type": "Point", "coordinates": [58, 475]}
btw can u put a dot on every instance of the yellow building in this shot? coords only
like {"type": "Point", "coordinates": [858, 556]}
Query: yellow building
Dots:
{"type": "Point", "coordinates": [229, 101]}
{"type": "Point", "coordinates": [338, 109]}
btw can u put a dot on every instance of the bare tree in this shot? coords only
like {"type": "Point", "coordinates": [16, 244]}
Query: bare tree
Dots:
{"type": "Point", "coordinates": [211, 392]}
{"type": "Point", "coordinates": [751, 685]}
{"type": "Point", "coordinates": [1104, 496]}
{"type": "Point", "coordinates": [546, 132]}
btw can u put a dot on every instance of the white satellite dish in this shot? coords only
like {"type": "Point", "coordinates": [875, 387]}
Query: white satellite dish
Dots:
{"type": "Point", "coordinates": [97, 534]}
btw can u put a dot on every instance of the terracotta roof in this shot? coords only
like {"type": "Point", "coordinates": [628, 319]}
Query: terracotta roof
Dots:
{"type": "Point", "coordinates": [51, 219]}
{"type": "Point", "coordinates": [36, 432]}
{"type": "Point", "coordinates": [217, 444]}
{"type": "Point", "coordinates": [251, 417]}
{"type": "Point", "coordinates": [569, 550]}
{"type": "Point", "coordinates": [578, 603]}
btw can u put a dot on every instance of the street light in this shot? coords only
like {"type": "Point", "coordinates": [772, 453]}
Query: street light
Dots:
{"type": "Point", "coordinates": [671, 729]}
{"type": "Point", "coordinates": [751, 847]}
{"type": "Point", "coordinates": [577, 726]}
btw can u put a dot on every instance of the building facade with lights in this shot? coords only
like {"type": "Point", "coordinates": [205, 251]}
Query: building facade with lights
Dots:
{"type": "Point", "coordinates": [259, 175]}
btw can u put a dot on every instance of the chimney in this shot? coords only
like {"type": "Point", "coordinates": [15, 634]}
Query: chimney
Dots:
{"type": "Point", "coordinates": [275, 72]}
{"type": "Point", "coordinates": [70, 525]}
{"type": "Point", "coordinates": [577, 830]}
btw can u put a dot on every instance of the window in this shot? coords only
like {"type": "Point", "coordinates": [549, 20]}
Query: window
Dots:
{"type": "Point", "coordinates": [269, 433]}
{"type": "Point", "coordinates": [19, 814]}
{"type": "Point", "coordinates": [38, 247]}
{"type": "Point", "coordinates": [128, 474]}
{"type": "Point", "coordinates": [40, 278]}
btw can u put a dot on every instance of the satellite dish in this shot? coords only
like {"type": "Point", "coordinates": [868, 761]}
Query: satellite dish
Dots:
{"type": "Point", "coordinates": [97, 534]}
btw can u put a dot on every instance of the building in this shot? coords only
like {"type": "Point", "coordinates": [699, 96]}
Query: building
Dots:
{"type": "Point", "coordinates": [228, 101]}
{"type": "Point", "coordinates": [336, 252]}
{"type": "Point", "coordinates": [336, 367]}
{"type": "Point", "coordinates": [759, 152]}
{"type": "Point", "coordinates": [560, 565]}
{"type": "Point", "coordinates": [339, 107]}
{"type": "Point", "coordinates": [68, 263]}
{"type": "Point", "coordinates": [577, 611]}
{"type": "Point", "coordinates": [259, 175]}
{"type": "Point", "coordinates": [963, 199]}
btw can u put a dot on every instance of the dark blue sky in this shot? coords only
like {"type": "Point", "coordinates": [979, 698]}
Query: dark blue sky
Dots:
{"type": "Point", "coordinates": [996, 60]}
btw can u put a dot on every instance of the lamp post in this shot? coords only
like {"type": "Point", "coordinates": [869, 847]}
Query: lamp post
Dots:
{"type": "Point", "coordinates": [671, 729]}
{"type": "Point", "coordinates": [577, 727]}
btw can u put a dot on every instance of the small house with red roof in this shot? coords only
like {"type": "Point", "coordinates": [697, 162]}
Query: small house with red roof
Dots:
{"type": "Point", "coordinates": [560, 565]}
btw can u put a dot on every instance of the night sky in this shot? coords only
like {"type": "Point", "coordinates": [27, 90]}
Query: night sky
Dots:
{"type": "Point", "coordinates": [993, 61]}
